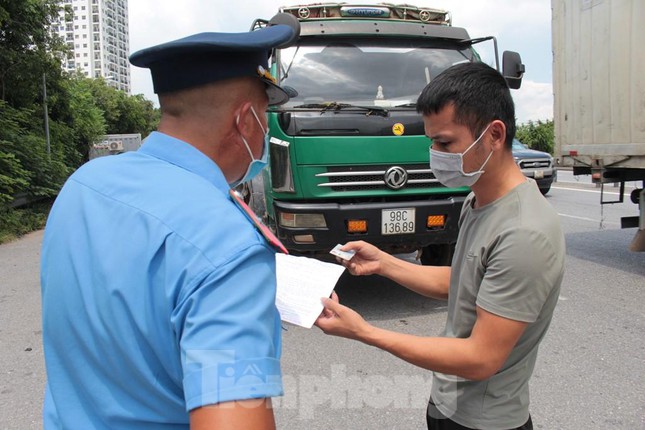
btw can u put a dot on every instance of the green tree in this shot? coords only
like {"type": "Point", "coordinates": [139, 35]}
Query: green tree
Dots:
{"type": "Point", "coordinates": [87, 121]}
{"type": "Point", "coordinates": [138, 115]}
{"type": "Point", "coordinates": [537, 135]}
{"type": "Point", "coordinates": [123, 113]}
{"type": "Point", "coordinates": [25, 165]}
{"type": "Point", "coordinates": [28, 49]}
{"type": "Point", "coordinates": [13, 178]}
{"type": "Point", "coordinates": [80, 110]}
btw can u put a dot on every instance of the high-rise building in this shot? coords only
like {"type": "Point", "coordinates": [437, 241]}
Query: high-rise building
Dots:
{"type": "Point", "coordinates": [96, 31]}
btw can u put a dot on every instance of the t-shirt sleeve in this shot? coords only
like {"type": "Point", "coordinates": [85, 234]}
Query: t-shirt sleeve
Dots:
{"type": "Point", "coordinates": [229, 332]}
{"type": "Point", "coordinates": [521, 270]}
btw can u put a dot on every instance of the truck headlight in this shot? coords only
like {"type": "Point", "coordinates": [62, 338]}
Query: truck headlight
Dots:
{"type": "Point", "coordinates": [281, 174]}
{"type": "Point", "coordinates": [287, 219]}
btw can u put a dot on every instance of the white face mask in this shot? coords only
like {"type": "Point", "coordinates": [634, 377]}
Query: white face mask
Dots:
{"type": "Point", "coordinates": [449, 168]}
{"type": "Point", "coordinates": [256, 165]}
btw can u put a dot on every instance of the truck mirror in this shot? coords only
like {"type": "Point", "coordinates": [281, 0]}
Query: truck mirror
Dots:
{"type": "Point", "coordinates": [291, 91]}
{"type": "Point", "coordinates": [291, 21]}
{"type": "Point", "coordinates": [512, 69]}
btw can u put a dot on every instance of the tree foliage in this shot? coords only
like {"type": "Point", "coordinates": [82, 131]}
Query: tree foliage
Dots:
{"type": "Point", "coordinates": [123, 113]}
{"type": "Point", "coordinates": [537, 135]}
{"type": "Point", "coordinates": [28, 49]}
{"type": "Point", "coordinates": [26, 168]}
{"type": "Point", "coordinates": [80, 110]}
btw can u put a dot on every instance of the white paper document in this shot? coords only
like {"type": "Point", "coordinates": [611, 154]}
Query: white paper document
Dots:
{"type": "Point", "coordinates": [302, 282]}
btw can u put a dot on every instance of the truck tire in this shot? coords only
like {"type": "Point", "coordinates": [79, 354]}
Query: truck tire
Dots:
{"type": "Point", "coordinates": [437, 255]}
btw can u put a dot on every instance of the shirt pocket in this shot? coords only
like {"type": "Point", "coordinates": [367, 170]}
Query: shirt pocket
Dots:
{"type": "Point", "coordinates": [472, 273]}
{"type": "Point", "coordinates": [470, 277]}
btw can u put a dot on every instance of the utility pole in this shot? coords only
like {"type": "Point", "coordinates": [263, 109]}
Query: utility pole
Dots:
{"type": "Point", "coordinates": [46, 117]}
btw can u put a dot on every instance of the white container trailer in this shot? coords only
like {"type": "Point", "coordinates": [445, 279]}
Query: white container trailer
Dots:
{"type": "Point", "coordinates": [599, 93]}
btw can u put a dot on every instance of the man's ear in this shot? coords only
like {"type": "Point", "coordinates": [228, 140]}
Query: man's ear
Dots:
{"type": "Point", "coordinates": [241, 125]}
{"type": "Point", "coordinates": [498, 135]}
{"type": "Point", "coordinates": [243, 118]}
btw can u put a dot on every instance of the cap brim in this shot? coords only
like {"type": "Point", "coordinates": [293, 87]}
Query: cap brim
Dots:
{"type": "Point", "coordinates": [208, 57]}
{"type": "Point", "coordinates": [202, 44]}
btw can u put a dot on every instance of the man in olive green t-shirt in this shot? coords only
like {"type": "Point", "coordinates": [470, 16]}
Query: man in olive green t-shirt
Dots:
{"type": "Point", "coordinates": [506, 272]}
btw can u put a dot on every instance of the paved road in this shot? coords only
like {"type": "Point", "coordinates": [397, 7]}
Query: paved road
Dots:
{"type": "Point", "coordinates": [22, 372]}
{"type": "Point", "coordinates": [590, 373]}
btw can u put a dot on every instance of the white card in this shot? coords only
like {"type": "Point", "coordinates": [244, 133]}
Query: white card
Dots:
{"type": "Point", "coordinates": [345, 255]}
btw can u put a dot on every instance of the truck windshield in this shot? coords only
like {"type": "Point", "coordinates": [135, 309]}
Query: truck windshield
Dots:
{"type": "Point", "coordinates": [364, 73]}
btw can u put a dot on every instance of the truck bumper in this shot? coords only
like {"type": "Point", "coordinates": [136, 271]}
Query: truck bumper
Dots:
{"type": "Point", "coordinates": [337, 216]}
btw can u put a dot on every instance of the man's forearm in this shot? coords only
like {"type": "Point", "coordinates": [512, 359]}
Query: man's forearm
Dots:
{"type": "Point", "coordinates": [452, 356]}
{"type": "Point", "coordinates": [429, 281]}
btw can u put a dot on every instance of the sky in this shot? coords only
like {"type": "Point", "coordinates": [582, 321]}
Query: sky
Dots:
{"type": "Point", "coordinates": [518, 25]}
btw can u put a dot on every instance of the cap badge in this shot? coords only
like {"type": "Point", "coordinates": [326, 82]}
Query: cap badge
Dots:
{"type": "Point", "coordinates": [264, 73]}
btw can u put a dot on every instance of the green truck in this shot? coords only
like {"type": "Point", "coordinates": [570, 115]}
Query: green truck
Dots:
{"type": "Point", "coordinates": [349, 159]}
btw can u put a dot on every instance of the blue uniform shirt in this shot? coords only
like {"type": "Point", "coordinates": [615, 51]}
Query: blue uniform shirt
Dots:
{"type": "Point", "coordinates": [158, 294]}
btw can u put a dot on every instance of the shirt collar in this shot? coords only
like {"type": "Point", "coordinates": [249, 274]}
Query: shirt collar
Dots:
{"type": "Point", "coordinates": [184, 155]}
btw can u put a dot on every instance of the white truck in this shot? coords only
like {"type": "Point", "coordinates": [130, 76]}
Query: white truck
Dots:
{"type": "Point", "coordinates": [599, 94]}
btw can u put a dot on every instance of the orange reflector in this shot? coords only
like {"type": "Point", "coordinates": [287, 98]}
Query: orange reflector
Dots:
{"type": "Point", "coordinates": [357, 226]}
{"type": "Point", "coordinates": [434, 221]}
{"type": "Point", "coordinates": [596, 175]}
{"type": "Point", "coordinates": [287, 219]}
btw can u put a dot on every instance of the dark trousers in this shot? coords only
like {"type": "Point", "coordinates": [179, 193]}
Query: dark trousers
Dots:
{"type": "Point", "coordinates": [448, 424]}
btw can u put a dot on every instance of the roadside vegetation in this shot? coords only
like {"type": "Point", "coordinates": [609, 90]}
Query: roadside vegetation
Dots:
{"type": "Point", "coordinates": [80, 110]}
{"type": "Point", "coordinates": [537, 135]}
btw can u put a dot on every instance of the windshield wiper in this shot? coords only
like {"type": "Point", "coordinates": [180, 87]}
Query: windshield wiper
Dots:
{"type": "Point", "coordinates": [407, 105]}
{"type": "Point", "coordinates": [335, 106]}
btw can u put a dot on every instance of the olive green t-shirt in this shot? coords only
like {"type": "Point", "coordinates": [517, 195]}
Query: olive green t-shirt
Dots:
{"type": "Point", "coordinates": [509, 260]}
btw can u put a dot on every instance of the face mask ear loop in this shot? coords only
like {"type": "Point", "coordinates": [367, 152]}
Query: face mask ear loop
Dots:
{"type": "Point", "coordinates": [237, 121]}
{"type": "Point", "coordinates": [468, 149]}
{"type": "Point", "coordinates": [258, 120]}
{"type": "Point", "coordinates": [477, 140]}
{"type": "Point", "coordinates": [481, 169]}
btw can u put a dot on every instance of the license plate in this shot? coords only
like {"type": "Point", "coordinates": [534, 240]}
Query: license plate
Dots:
{"type": "Point", "coordinates": [397, 221]}
{"type": "Point", "coordinates": [538, 174]}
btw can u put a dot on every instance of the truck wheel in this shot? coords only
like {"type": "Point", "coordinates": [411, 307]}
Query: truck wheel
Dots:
{"type": "Point", "coordinates": [545, 190]}
{"type": "Point", "coordinates": [437, 255]}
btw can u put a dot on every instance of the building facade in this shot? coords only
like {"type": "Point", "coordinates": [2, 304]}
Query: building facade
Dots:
{"type": "Point", "coordinates": [96, 31]}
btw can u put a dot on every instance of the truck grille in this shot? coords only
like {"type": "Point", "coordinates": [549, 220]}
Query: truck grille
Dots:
{"type": "Point", "coordinates": [536, 163]}
{"type": "Point", "coordinates": [365, 178]}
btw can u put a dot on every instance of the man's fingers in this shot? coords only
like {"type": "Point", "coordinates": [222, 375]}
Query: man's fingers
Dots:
{"type": "Point", "coordinates": [334, 296]}
{"type": "Point", "coordinates": [353, 246]}
{"type": "Point", "coordinates": [331, 305]}
{"type": "Point", "coordinates": [327, 313]}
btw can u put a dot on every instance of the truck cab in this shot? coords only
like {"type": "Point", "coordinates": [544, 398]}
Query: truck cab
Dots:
{"type": "Point", "coordinates": [349, 159]}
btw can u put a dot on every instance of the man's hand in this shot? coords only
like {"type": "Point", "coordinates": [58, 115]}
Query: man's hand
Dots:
{"type": "Point", "coordinates": [339, 320]}
{"type": "Point", "coordinates": [366, 261]}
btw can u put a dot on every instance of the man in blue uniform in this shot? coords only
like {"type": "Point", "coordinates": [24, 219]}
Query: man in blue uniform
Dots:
{"type": "Point", "coordinates": [158, 292]}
